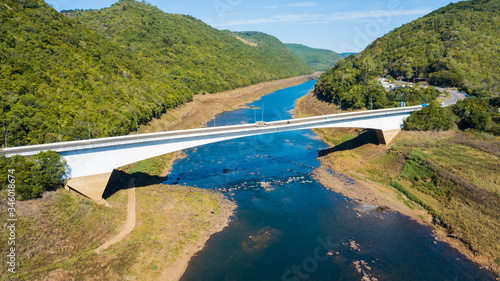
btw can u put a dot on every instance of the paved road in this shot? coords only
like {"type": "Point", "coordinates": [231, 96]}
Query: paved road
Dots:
{"type": "Point", "coordinates": [455, 96]}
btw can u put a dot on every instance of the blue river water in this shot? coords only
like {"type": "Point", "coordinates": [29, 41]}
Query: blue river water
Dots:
{"type": "Point", "coordinates": [289, 227]}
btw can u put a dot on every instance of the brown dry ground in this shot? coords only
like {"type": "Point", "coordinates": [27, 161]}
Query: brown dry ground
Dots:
{"type": "Point", "coordinates": [58, 233]}
{"type": "Point", "coordinates": [468, 161]}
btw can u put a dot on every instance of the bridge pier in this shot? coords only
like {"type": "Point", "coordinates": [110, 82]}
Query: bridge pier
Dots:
{"type": "Point", "coordinates": [90, 186]}
{"type": "Point", "coordinates": [386, 136]}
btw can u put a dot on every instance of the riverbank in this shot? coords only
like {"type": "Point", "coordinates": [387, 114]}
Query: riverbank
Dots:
{"type": "Point", "coordinates": [56, 235]}
{"type": "Point", "coordinates": [464, 164]}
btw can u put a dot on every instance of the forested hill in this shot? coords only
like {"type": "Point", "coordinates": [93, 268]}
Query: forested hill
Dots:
{"type": "Point", "coordinates": [180, 46]}
{"type": "Point", "coordinates": [457, 45]}
{"type": "Point", "coordinates": [117, 68]}
{"type": "Point", "coordinates": [317, 59]}
{"type": "Point", "coordinates": [272, 49]}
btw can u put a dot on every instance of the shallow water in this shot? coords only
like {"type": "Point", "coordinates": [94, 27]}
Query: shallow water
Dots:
{"type": "Point", "coordinates": [289, 227]}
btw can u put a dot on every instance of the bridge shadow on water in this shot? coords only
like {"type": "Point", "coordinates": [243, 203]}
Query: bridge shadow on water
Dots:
{"type": "Point", "coordinates": [368, 136]}
{"type": "Point", "coordinates": [121, 180]}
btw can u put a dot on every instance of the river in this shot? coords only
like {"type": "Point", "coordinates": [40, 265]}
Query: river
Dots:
{"type": "Point", "coordinates": [289, 227]}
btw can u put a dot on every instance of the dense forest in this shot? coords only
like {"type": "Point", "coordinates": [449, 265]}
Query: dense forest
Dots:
{"type": "Point", "coordinates": [203, 58]}
{"type": "Point", "coordinates": [456, 46]}
{"type": "Point", "coordinates": [111, 69]}
{"type": "Point", "coordinates": [317, 59]}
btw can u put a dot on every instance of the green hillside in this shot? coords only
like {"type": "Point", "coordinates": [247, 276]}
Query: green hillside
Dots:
{"type": "Point", "coordinates": [113, 68]}
{"type": "Point", "coordinates": [185, 48]}
{"type": "Point", "coordinates": [317, 59]}
{"type": "Point", "coordinates": [457, 45]}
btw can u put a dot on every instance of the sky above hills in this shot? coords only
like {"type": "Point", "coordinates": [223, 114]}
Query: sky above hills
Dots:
{"type": "Point", "coordinates": [341, 26]}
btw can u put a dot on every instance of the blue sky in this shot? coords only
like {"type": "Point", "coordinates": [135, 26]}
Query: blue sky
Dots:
{"type": "Point", "coordinates": [342, 26]}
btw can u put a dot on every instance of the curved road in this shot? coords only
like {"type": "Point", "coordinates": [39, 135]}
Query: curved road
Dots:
{"type": "Point", "coordinates": [455, 96]}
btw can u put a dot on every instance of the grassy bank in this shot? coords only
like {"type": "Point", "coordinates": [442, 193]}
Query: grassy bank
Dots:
{"type": "Point", "coordinates": [454, 176]}
{"type": "Point", "coordinates": [58, 233]}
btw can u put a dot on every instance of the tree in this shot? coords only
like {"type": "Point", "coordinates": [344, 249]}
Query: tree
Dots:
{"type": "Point", "coordinates": [34, 175]}
{"type": "Point", "coordinates": [474, 113]}
{"type": "Point", "coordinates": [430, 118]}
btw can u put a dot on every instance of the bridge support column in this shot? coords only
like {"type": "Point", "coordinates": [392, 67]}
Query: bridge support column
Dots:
{"type": "Point", "coordinates": [385, 137]}
{"type": "Point", "coordinates": [90, 186]}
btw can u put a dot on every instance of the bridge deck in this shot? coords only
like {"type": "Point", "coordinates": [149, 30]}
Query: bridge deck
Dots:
{"type": "Point", "coordinates": [91, 162]}
{"type": "Point", "coordinates": [290, 124]}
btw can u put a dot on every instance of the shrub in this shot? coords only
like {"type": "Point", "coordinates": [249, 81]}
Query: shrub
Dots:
{"type": "Point", "coordinates": [34, 175]}
{"type": "Point", "coordinates": [475, 113]}
{"type": "Point", "coordinates": [430, 118]}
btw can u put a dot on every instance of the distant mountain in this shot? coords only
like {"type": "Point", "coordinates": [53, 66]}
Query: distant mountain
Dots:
{"type": "Point", "coordinates": [345, 55]}
{"type": "Point", "coordinates": [112, 68]}
{"type": "Point", "coordinates": [317, 59]}
{"type": "Point", "coordinates": [457, 45]}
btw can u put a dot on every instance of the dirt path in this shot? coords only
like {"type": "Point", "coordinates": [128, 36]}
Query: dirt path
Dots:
{"type": "Point", "coordinates": [129, 225]}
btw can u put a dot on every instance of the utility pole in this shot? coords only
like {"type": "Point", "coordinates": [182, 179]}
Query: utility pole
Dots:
{"type": "Point", "coordinates": [59, 125]}
{"type": "Point", "coordinates": [88, 124]}
{"type": "Point", "coordinates": [136, 124]}
{"type": "Point", "coordinates": [4, 133]}
{"type": "Point", "coordinates": [371, 103]}
{"type": "Point", "coordinates": [215, 118]}
{"type": "Point", "coordinates": [156, 115]}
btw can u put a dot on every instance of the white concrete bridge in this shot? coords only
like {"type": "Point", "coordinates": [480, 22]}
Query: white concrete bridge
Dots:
{"type": "Point", "coordinates": [91, 162]}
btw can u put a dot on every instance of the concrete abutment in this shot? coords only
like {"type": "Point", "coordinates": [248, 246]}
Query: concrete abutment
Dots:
{"type": "Point", "coordinates": [90, 186]}
{"type": "Point", "coordinates": [385, 137]}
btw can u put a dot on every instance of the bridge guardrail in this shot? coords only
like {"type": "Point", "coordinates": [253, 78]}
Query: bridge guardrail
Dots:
{"type": "Point", "coordinates": [152, 137]}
